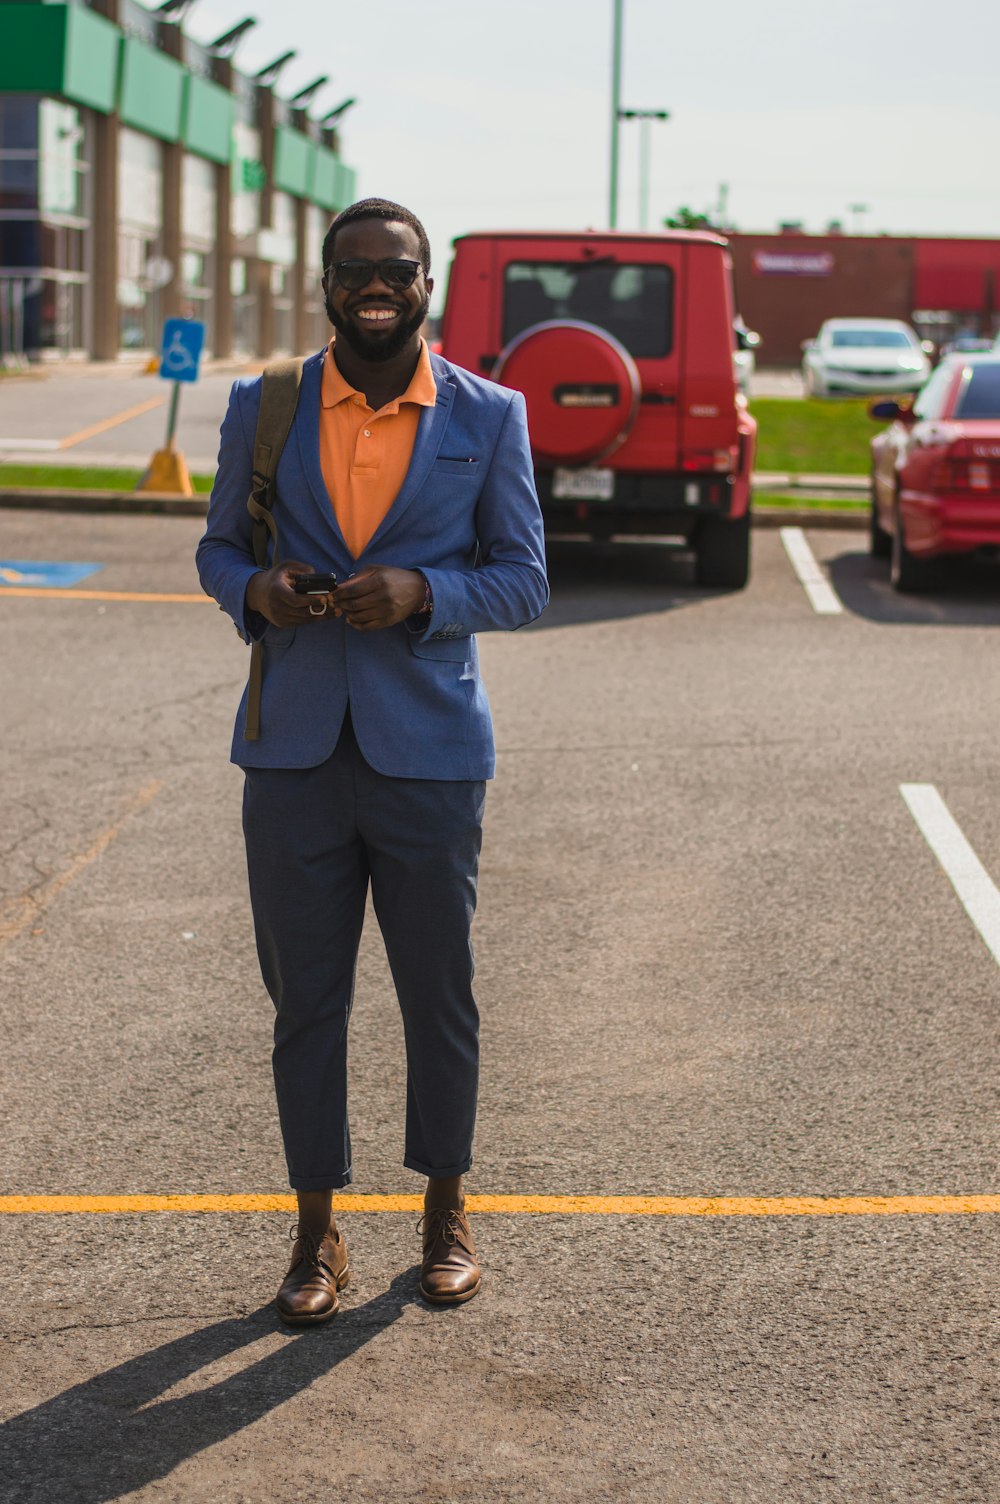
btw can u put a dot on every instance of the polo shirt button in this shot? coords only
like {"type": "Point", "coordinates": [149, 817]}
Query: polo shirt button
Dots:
{"type": "Point", "coordinates": [368, 433]}
{"type": "Point", "coordinates": [359, 401]}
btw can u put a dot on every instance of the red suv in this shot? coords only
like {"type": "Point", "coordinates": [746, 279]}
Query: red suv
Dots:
{"type": "Point", "coordinates": [623, 347]}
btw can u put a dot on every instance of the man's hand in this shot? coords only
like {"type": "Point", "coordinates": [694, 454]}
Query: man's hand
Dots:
{"type": "Point", "coordinates": [272, 593]}
{"type": "Point", "coordinates": [379, 597]}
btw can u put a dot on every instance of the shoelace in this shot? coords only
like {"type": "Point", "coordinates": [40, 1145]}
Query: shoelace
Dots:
{"type": "Point", "coordinates": [442, 1223]}
{"type": "Point", "coordinates": [311, 1245]}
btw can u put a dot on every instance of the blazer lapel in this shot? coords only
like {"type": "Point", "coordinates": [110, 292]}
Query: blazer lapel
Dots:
{"type": "Point", "coordinates": [307, 433]}
{"type": "Point", "coordinates": [431, 428]}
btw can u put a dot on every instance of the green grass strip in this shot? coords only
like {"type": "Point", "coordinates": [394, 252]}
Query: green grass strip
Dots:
{"type": "Point", "coordinates": [808, 503]}
{"type": "Point", "coordinates": [808, 436]}
{"type": "Point", "coordinates": [81, 478]}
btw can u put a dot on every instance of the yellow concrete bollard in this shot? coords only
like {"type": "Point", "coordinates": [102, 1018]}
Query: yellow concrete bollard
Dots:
{"type": "Point", "coordinates": [168, 473]}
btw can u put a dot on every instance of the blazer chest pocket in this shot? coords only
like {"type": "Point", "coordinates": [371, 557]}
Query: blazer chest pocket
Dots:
{"type": "Point", "coordinates": [468, 468]}
{"type": "Point", "coordinates": [444, 649]}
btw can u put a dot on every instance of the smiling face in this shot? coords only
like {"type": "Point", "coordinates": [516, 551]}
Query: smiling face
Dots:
{"type": "Point", "coordinates": [377, 321]}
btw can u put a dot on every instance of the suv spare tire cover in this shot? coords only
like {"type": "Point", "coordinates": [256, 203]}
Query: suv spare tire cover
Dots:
{"type": "Point", "coordinates": [581, 386]}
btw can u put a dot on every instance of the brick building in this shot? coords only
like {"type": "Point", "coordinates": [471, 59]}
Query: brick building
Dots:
{"type": "Point", "coordinates": [788, 283]}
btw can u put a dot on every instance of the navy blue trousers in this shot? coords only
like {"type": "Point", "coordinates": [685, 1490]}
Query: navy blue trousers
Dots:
{"type": "Point", "coordinates": [316, 838]}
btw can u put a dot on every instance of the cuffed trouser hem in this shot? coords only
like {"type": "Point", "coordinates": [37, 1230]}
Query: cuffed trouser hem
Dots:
{"type": "Point", "coordinates": [448, 1173]}
{"type": "Point", "coordinates": [321, 1182]}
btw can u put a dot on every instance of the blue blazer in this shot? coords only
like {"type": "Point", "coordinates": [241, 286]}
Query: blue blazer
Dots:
{"type": "Point", "coordinates": [467, 516]}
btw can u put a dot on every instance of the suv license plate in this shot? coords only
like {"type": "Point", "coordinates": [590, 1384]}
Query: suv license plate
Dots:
{"type": "Point", "coordinates": [583, 485]}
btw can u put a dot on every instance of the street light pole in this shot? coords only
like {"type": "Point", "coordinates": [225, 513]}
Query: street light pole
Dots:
{"type": "Point", "coordinates": [616, 95]}
{"type": "Point", "coordinates": [644, 117]}
{"type": "Point", "coordinates": [644, 171]}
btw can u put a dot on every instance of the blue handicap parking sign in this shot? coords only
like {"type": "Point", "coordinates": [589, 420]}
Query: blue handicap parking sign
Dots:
{"type": "Point", "coordinates": [181, 349]}
{"type": "Point", "coordinates": [23, 573]}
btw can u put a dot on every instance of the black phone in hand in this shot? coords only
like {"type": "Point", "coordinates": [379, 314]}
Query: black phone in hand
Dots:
{"type": "Point", "coordinates": [315, 584]}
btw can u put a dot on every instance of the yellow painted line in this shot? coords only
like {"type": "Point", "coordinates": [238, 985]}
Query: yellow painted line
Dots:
{"type": "Point", "coordinates": [18, 913]}
{"type": "Point", "coordinates": [615, 1206]}
{"type": "Point", "coordinates": [106, 595]}
{"type": "Point", "coordinates": [106, 423]}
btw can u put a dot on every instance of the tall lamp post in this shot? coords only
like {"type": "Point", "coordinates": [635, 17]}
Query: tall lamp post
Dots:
{"type": "Point", "coordinates": [644, 117]}
{"type": "Point", "coordinates": [616, 99]}
{"type": "Point", "coordinates": [617, 116]}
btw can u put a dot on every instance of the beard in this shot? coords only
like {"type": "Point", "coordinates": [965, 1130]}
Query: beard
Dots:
{"type": "Point", "coordinates": [375, 347]}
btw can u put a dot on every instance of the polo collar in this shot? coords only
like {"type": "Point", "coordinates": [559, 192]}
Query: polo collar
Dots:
{"type": "Point", "coordinates": [422, 389]}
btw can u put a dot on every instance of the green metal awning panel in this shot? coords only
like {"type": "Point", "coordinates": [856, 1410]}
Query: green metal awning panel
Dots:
{"type": "Point", "coordinates": [61, 50]}
{"type": "Point", "coordinates": [294, 154]}
{"type": "Point", "coordinates": [345, 186]}
{"type": "Point", "coordinates": [152, 91]}
{"type": "Point", "coordinates": [324, 187]}
{"type": "Point", "coordinates": [208, 119]}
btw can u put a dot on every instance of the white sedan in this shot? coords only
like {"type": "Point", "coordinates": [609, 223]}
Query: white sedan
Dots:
{"type": "Point", "coordinates": [862, 357]}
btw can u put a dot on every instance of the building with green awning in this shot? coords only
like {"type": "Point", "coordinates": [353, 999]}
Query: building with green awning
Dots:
{"type": "Point", "coordinates": [143, 177]}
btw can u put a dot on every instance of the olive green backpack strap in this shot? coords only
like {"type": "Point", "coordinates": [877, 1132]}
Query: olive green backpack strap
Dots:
{"type": "Point", "coordinates": [278, 400]}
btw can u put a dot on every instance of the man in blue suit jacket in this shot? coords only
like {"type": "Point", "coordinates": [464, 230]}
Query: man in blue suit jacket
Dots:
{"type": "Point", "coordinates": [375, 737]}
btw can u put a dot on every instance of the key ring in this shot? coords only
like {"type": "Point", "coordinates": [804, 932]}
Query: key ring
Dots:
{"type": "Point", "coordinates": [322, 608]}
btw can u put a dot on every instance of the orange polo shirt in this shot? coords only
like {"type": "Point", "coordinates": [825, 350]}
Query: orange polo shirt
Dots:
{"type": "Point", "coordinates": [365, 454]}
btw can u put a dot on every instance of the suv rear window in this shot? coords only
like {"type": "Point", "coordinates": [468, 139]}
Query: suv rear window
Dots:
{"type": "Point", "coordinates": [635, 303]}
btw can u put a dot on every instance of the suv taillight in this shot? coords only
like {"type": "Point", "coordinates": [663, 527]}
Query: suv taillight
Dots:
{"type": "Point", "coordinates": [721, 460]}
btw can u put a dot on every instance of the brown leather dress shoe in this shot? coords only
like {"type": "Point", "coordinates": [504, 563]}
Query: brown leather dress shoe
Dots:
{"type": "Point", "coordinates": [319, 1268]}
{"type": "Point", "coordinates": [449, 1273]}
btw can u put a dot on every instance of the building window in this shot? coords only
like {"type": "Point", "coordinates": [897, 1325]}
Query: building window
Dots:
{"type": "Point", "coordinates": [45, 230]}
{"type": "Point", "coordinates": [317, 224]}
{"type": "Point", "coordinates": [62, 167]}
{"type": "Point", "coordinates": [199, 199]}
{"type": "Point", "coordinates": [140, 224]}
{"type": "Point", "coordinates": [247, 181]}
{"type": "Point", "coordinates": [278, 246]}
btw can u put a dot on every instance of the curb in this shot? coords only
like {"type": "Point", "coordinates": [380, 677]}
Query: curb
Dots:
{"type": "Point", "coordinates": [38, 500]}
{"type": "Point", "coordinates": [165, 505]}
{"type": "Point", "coordinates": [774, 480]}
{"type": "Point", "coordinates": [838, 521]}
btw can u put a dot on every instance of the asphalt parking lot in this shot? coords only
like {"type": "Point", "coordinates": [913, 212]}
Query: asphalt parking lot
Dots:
{"type": "Point", "coordinates": [728, 967]}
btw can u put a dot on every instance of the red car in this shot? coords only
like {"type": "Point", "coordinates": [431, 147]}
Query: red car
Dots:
{"type": "Point", "coordinates": [623, 347]}
{"type": "Point", "coordinates": [936, 471]}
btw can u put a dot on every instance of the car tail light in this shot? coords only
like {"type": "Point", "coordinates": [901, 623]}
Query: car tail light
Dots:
{"type": "Point", "coordinates": [966, 468]}
{"type": "Point", "coordinates": [711, 459]}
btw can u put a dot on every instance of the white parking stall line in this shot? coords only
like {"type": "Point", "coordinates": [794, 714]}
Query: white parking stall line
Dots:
{"type": "Point", "coordinates": [41, 445]}
{"type": "Point", "coordinates": [822, 596]}
{"type": "Point", "coordinates": [965, 872]}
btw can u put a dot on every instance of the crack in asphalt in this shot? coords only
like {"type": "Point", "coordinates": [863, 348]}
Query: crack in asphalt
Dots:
{"type": "Point", "coordinates": [29, 835]}
{"type": "Point", "coordinates": [103, 1326]}
{"type": "Point", "coordinates": [227, 685]}
{"type": "Point", "coordinates": [28, 893]}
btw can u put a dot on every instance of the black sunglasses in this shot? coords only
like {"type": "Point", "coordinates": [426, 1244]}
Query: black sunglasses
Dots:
{"type": "Point", "coordinates": [355, 274]}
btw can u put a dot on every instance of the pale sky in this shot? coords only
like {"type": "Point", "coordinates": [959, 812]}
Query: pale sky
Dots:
{"type": "Point", "coordinates": [487, 115]}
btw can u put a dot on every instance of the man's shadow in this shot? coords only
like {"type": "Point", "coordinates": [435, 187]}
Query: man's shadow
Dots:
{"type": "Point", "coordinates": [108, 1436]}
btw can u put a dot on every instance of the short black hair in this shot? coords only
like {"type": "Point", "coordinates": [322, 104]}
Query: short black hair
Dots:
{"type": "Point", "coordinates": [378, 208]}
